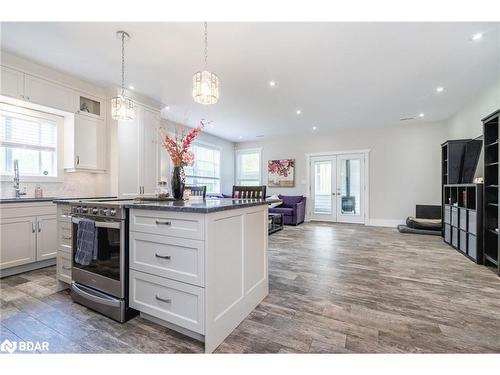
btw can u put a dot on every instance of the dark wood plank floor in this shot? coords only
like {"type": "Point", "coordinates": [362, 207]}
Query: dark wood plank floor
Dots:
{"type": "Point", "coordinates": [333, 289]}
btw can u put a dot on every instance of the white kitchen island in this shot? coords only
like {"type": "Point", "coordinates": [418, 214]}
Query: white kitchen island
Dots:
{"type": "Point", "coordinates": [198, 267]}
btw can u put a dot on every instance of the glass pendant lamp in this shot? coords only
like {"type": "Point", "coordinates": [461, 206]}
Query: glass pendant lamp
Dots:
{"type": "Point", "coordinates": [122, 107]}
{"type": "Point", "coordinates": [205, 83]}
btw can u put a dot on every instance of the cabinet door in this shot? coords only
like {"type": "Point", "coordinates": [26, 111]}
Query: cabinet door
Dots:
{"type": "Point", "coordinates": [17, 241]}
{"type": "Point", "coordinates": [46, 244]}
{"type": "Point", "coordinates": [150, 153]}
{"type": "Point", "coordinates": [128, 156]}
{"type": "Point", "coordinates": [12, 83]}
{"type": "Point", "coordinates": [89, 142]}
{"type": "Point", "coordinates": [50, 94]}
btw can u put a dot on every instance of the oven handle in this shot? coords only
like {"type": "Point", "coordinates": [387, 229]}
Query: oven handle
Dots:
{"type": "Point", "coordinates": [95, 298]}
{"type": "Point", "coordinates": [100, 224]}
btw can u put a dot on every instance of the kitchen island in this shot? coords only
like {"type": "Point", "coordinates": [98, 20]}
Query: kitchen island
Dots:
{"type": "Point", "coordinates": [198, 267]}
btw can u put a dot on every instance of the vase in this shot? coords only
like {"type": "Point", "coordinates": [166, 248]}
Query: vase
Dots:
{"type": "Point", "coordinates": [178, 183]}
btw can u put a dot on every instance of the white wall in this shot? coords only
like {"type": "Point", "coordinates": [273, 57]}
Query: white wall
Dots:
{"type": "Point", "coordinates": [404, 164]}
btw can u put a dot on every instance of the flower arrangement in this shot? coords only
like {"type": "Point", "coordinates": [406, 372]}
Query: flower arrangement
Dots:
{"type": "Point", "coordinates": [178, 146]}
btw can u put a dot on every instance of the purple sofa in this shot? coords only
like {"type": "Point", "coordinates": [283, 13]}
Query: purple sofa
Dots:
{"type": "Point", "coordinates": [293, 209]}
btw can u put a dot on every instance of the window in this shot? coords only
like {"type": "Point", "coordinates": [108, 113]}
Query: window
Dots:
{"type": "Point", "coordinates": [31, 137]}
{"type": "Point", "coordinates": [206, 168]}
{"type": "Point", "coordinates": [248, 167]}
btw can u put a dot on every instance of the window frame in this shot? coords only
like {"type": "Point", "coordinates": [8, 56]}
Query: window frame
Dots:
{"type": "Point", "coordinates": [213, 147]}
{"type": "Point", "coordinates": [59, 121]}
{"type": "Point", "coordinates": [243, 151]}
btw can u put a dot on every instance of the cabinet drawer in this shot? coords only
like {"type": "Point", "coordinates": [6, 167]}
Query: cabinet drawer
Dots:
{"type": "Point", "coordinates": [463, 242]}
{"type": "Point", "coordinates": [64, 239]}
{"type": "Point", "coordinates": [463, 219]}
{"type": "Point", "coordinates": [64, 267]}
{"type": "Point", "coordinates": [447, 233]}
{"type": "Point", "coordinates": [454, 236]}
{"type": "Point", "coordinates": [178, 303]}
{"type": "Point", "coordinates": [472, 221]}
{"type": "Point", "coordinates": [454, 216]}
{"type": "Point", "coordinates": [176, 258]}
{"type": "Point", "coordinates": [447, 214]}
{"type": "Point", "coordinates": [472, 249]}
{"type": "Point", "coordinates": [167, 223]}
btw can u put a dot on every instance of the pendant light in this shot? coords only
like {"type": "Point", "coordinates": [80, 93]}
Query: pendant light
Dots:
{"type": "Point", "coordinates": [205, 83]}
{"type": "Point", "coordinates": [122, 108]}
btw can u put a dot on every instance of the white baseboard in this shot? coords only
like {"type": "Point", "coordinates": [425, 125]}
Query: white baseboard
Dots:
{"type": "Point", "coordinates": [384, 223]}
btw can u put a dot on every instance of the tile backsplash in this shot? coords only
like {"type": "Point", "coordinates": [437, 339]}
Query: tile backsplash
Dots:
{"type": "Point", "coordinates": [75, 184]}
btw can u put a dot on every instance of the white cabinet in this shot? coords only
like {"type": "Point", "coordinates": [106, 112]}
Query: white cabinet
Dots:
{"type": "Point", "coordinates": [12, 83]}
{"type": "Point", "coordinates": [18, 241]}
{"type": "Point", "coordinates": [28, 233]}
{"type": "Point", "coordinates": [139, 153]}
{"type": "Point", "coordinates": [43, 92]}
{"type": "Point", "coordinates": [46, 247]}
{"type": "Point", "coordinates": [84, 141]}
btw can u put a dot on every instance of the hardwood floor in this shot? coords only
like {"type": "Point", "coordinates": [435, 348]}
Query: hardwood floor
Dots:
{"type": "Point", "coordinates": [333, 289]}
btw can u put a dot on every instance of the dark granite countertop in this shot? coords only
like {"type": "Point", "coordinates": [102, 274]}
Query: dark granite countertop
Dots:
{"type": "Point", "coordinates": [69, 200]}
{"type": "Point", "coordinates": [202, 206]}
{"type": "Point", "coordinates": [47, 199]}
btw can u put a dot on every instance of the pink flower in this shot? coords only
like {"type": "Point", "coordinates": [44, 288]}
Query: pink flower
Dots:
{"type": "Point", "coordinates": [178, 148]}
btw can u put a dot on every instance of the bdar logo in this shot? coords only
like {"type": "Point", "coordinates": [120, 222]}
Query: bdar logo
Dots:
{"type": "Point", "coordinates": [8, 346]}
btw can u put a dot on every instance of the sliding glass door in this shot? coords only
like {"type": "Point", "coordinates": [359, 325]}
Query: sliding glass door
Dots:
{"type": "Point", "coordinates": [337, 188]}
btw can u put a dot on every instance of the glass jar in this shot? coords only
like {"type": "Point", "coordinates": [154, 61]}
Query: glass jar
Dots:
{"type": "Point", "coordinates": [162, 190]}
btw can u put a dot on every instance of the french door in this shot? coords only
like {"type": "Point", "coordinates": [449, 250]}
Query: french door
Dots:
{"type": "Point", "coordinates": [337, 188]}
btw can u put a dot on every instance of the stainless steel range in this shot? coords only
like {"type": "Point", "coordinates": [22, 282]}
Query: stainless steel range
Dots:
{"type": "Point", "coordinates": [103, 284]}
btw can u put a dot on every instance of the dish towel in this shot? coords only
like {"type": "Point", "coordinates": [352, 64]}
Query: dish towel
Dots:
{"type": "Point", "coordinates": [86, 242]}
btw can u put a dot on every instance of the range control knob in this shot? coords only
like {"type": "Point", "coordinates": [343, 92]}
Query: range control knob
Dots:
{"type": "Point", "coordinates": [112, 212]}
{"type": "Point", "coordinates": [106, 212]}
{"type": "Point", "coordinates": [85, 210]}
{"type": "Point", "coordinates": [95, 211]}
{"type": "Point", "coordinates": [79, 209]}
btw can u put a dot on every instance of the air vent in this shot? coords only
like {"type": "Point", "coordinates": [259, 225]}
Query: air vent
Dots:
{"type": "Point", "coordinates": [407, 118]}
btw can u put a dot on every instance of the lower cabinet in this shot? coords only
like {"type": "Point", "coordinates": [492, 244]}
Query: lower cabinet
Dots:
{"type": "Point", "coordinates": [18, 241]}
{"type": "Point", "coordinates": [26, 238]}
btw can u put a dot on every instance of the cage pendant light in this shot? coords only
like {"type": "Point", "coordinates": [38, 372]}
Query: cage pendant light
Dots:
{"type": "Point", "coordinates": [205, 83]}
{"type": "Point", "coordinates": [122, 107]}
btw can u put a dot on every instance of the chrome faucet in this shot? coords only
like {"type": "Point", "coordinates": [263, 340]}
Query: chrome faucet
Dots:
{"type": "Point", "coordinates": [16, 180]}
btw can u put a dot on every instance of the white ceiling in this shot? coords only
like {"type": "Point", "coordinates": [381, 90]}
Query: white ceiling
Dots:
{"type": "Point", "coordinates": [339, 74]}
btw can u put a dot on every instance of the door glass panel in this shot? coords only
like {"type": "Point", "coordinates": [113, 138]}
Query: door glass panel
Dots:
{"type": "Point", "coordinates": [323, 187]}
{"type": "Point", "coordinates": [350, 186]}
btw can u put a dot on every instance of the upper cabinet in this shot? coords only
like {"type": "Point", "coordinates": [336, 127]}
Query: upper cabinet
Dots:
{"type": "Point", "coordinates": [53, 95]}
{"type": "Point", "coordinates": [12, 83]}
{"type": "Point", "coordinates": [139, 153]}
{"type": "Point", "coordinates": [88, 105]}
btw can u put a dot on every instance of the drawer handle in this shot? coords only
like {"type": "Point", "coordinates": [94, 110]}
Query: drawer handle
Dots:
{"type": "Point", "coordinates": [66, 237]}
{"type": "Point", "coordinates": [166, 300]}
{"type": "Point", "coordinates": [66, 267]}
{"type": "Point", "coordinates": [163, 256]}
{"type": "Point", "coordinates": [159, 222]}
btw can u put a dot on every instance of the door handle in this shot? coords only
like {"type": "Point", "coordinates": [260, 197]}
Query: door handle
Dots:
{"type": "Point", "coordinates": [163, 256]}
{"type": "Point", "coordinates": [77, 160]}
{"type": "Point", "coordinates": [166, 300]}
{"type": "Point", "coordinates": [39, 227]}
{"type": "Point", "coordinates": [33, 227]}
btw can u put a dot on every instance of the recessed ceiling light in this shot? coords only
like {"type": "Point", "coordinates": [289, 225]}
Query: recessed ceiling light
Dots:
{"type": "Point", "coordinates": [421, 114]}
{"type": "Point", "coordinates": [440, 89]}
{"type": "Point", "coordinates": [298, 111]}
{"type": "Point", "coordinates": [477, 36]}
{"type": "Point", "coordinates": [166, 108]}
{"type": "Point", "coordinates": [131, 87]}
{"type": "Point", "coordinates": [315, 127]}
{"type": "Point", "coordinates": [240, 137]}
{"type": "Point", "coordinates": [272, 83]}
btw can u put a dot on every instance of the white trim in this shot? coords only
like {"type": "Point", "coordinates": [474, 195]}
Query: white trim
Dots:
{"type": "Point", "coordinates": [366, 152]}
{"type": "Point", "coordinates": [390, 223]}
{"type": "Point", "coordinates": [240, 151]}
{"type": "Point", "coordinates": [56, 117]}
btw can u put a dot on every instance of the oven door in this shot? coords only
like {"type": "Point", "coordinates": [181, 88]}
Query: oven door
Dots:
{"type": "Point", "coordinates": [106, 272]}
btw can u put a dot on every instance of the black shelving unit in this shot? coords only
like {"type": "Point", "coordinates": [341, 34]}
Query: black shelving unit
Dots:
{"type": "Point", "coordinates": [491, 192]}
{"type": "Point", "coordinates": [463, 219]}
{"type": "Point", "coordinates": [452, 158]}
